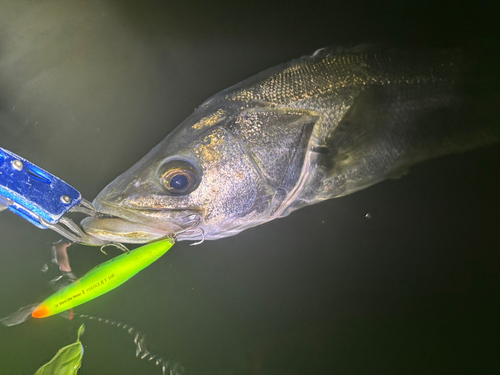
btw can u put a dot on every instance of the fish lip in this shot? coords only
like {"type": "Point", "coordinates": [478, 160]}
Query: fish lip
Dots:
{"type": "Point", "coordinates": [106, 210]}
{"type": "Point", "coordinates": [118, 224]}
{"type": "Point", "coordinates": [116, 229]}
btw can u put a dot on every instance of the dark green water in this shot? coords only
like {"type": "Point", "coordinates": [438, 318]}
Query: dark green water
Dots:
{"type": "Point", "coordinates": [87, 88]}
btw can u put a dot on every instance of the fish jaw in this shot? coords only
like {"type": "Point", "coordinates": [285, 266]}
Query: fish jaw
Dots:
{"type": "Point", "coordinates": [119, 225]}
{"type": "Point", "coordinates": [120, 230]}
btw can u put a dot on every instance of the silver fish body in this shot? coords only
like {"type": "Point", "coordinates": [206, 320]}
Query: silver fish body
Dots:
{"type": "Point", "coordinates": [315, 128]}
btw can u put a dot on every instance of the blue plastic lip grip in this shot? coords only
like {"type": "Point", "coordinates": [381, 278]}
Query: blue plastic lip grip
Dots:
{"type": "Point", "coordinates": [34, 193]}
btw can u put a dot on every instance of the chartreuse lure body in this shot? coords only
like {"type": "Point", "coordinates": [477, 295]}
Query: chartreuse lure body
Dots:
{"type": "Point", "coordinates": [103, 278]}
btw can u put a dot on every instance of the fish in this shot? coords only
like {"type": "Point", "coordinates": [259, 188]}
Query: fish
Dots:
{"type": "Point", "coordinates": [68, 359]}
{"type": "Point", "coordinates": [102, 279]}
{"type": "Point", "coordinates": [319, 127]}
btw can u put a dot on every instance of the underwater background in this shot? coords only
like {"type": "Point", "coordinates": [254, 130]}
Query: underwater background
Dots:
{"type": "Point", "coordinates": [88, 87]}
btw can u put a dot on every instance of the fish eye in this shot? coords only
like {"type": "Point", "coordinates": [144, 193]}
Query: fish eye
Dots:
{"type": "Point", "coordinates": [178, 177]}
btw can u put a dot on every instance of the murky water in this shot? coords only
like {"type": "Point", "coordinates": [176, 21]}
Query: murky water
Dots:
{"type": "Point", "coordinates": [87, 88]}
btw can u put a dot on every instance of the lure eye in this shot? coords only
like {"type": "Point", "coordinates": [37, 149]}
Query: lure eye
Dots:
{"type": "Point", "coordinates": [178, 177]}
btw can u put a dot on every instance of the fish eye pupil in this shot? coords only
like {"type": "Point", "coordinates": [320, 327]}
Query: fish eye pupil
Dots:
{"type": "Point", "coordinates": [179, 182]}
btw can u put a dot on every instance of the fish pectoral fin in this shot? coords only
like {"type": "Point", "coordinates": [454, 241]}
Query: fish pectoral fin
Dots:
{"type": "Point", "coordinates": [397, 174]}
{"type": "Point", "coordinates": [276, 140]}
{"type": "Point", "coordinates": [390, 127]}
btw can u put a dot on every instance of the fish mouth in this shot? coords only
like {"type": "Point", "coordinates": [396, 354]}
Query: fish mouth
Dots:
{"type": "Point", "coordinates": [118, 225]}
{"type": "Point", "coordinates": [116, 229]}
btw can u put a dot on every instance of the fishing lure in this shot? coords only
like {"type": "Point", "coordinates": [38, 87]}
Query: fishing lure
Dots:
{"type": "Point", "coordinates": [103, 278]}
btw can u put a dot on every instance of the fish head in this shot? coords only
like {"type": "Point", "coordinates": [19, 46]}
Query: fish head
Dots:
{"type": "Point", "coordinates": [212, 177]}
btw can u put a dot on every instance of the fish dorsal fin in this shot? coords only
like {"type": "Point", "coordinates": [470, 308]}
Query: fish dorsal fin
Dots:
{"type": "Point", "coordinates": [276, 140]}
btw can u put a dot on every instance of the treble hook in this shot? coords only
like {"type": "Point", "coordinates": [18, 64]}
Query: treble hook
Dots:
{"type": "Point", "coordinates": [118, 245]}
{"type": "Point", "coordinates": [201, 233]}
{"type": "Point", "coordinates": [191, 231]}
{"type": "Point", "coordinates": [192, 228]}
